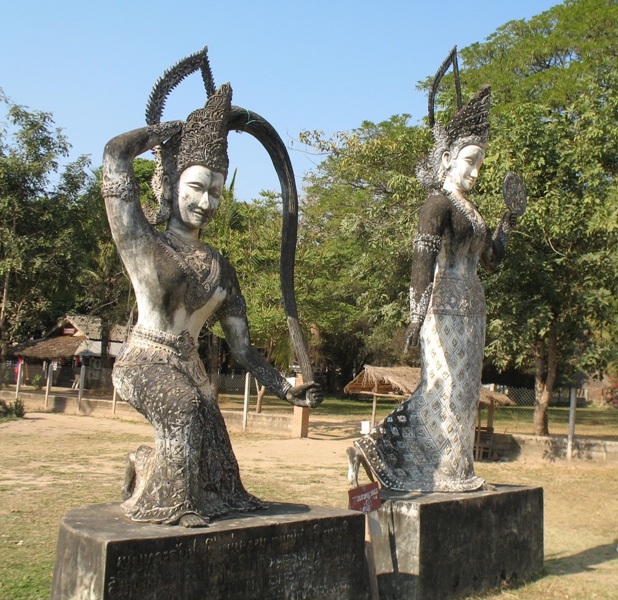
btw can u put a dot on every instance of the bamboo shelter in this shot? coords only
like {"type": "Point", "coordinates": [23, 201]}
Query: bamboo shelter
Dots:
{"type": "Point", "coordinates": [384, 382]}
{"type": "Point", "coordinates": [400, 382]}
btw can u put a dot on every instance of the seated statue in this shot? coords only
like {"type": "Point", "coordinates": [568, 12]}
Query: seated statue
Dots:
{"type": "Point", "coordinates": [180, 283]}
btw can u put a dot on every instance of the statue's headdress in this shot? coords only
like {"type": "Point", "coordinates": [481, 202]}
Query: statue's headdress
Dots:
{"type": "Point", "coordinates": [469, 125]}
{"type": "Point", "coordinates": [203, 141]}
{"type": "Point", "coordinates": [204, 135]}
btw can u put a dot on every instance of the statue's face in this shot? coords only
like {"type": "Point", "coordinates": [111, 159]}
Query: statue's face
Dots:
{"type": "Point", "coordinates": [463, 170]}
{"type": "Point", "coordinates": [197, 199]}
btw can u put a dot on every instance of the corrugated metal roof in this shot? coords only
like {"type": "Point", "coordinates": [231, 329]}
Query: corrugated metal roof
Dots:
{"type": "Point", "coordinates": [90, 327]}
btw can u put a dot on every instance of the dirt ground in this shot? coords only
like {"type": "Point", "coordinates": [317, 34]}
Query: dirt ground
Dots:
{"type": "Point", "coordinates": [330, 436]}
{"type": "Point", "coordinates": [52, 463]}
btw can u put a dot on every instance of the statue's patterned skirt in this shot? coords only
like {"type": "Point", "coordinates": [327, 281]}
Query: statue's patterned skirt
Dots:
{"type": "Point", "coordinates": [192, 469]}
{"type": "Point", "coordinates": [426, 444]}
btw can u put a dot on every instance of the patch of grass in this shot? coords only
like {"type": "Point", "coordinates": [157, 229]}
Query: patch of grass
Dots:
{"type": "Point", "coordinates": [332, 406]}
{"type": "Point", "coordinates": [589, 421]}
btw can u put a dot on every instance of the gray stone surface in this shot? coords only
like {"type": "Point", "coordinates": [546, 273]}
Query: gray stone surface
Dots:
{"type": "Point", "coordinates": [553, 448]}
{"type": "Point", "coordinates": [440, 546]}
{"type": "Point", "coordinates": [289, 551]}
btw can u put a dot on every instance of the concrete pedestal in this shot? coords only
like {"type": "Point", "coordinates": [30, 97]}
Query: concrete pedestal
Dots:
{"type": "Point", "coordinates": [440, 546]}
{"type": "Point", "coordinates": [289, 551]}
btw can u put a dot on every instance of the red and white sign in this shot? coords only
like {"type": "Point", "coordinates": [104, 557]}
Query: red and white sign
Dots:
{"type": "Point", "coordinates": [365, 498]}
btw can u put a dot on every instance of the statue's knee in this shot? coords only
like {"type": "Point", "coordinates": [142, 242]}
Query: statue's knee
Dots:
{"type": "Point", "coordinates": [128, 485]}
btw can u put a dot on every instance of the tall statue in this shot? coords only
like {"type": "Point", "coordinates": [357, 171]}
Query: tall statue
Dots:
{"type": "Point", "coordinates": [426, 444]}
{"type": "Point", "coordinates": [180, 283]}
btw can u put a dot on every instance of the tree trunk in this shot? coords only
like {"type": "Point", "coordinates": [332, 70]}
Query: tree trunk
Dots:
{"type": "Point", "coordinates": [105, 335]}
{"type": "Point", "coordinates": [4, 342]}
{"type": "Point", "coordinates": [261, 390]}
{"type": "Point", "coordinates": [545, 379]}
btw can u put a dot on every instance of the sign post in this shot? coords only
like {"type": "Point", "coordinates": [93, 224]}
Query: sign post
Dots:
{"type": "Point", "coordinates": [50, 376]}
{"type": "Point", "coordinates": [573, 406]}
{"type": "Point", "coordinates": [366, 499]}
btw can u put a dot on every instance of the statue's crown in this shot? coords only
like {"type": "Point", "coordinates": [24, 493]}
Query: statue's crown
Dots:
{"type": "Point", "coordinates": [470, 124]}
{"type": "Point", "coordinates": [204, 135]}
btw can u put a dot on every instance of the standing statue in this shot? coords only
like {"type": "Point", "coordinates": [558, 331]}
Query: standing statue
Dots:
{"type": "Point", "coordinates": [180, 284]}
{"type": "Point", "coordinates": [426, 444]}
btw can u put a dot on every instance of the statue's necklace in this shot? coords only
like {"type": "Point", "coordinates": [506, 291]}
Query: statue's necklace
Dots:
{"type": "Point", "coordinates": [469, 211]}
{"type": "Point", "coordinates": [197, 262]}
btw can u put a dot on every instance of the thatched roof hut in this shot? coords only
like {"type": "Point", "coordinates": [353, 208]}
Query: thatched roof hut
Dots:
{"type": "Point", "coordinates": [73, 335]}
{"type": "Point", "coordinates": [397, 382]}
{"type": "Point", "coordinates": [63, 346]}
{"type": "Point", "coordinates": [400, 382]}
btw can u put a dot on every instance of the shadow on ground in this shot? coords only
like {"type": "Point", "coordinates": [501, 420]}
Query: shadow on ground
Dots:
{"type": "Point", "coordinates": [582, 561]}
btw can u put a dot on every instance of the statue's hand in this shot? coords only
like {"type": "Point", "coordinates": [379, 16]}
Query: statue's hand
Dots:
{"type": "Point", "coordinates": [306, 395]}
{"type": "Point", "coordinates": [165, 130]}
{"type": "Point", "coordinates": [512, 220]}
{"type": "Point", "coordinates": [412, 334]}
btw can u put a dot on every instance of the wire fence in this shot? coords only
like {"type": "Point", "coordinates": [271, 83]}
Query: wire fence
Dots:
{"type": "Point", "coordinates": [593, 417]}
{"type": "Point", "coordinates": [97, 380]}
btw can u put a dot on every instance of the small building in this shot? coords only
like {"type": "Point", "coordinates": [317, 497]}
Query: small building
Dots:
{"type": "Point", "coordinates": [74, 341]}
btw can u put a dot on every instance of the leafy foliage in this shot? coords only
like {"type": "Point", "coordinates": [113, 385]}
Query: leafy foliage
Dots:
{"type": "Point", "coordinates": [555, 122]}
{"type": "Point", "coordinates": [356, 233]}
{"type": "Point", "coordinates": [40, 245]}
{"type": "Point", "coordinates": [552, 306]}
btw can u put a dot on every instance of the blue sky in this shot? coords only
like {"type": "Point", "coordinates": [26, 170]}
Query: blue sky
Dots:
{"type": "Point", "coordinates": [320, 65]}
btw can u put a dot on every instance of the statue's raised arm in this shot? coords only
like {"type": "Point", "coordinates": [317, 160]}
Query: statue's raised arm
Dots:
{"type": "Point", "coordinates": [120, 189]}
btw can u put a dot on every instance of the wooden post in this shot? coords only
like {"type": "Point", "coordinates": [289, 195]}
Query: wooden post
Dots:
{"type": "Point", "coordinates": [374, 408]}
{"type": "Point", "coordinates": [261, 391]}
{"type": "Point", "coordinates": [20, 377]}
{"type": "Point", "coordinates": [477, 455]}
{"type": "Point", "coordinates": [245, 409]}
{"type": "Point", "coordinates": [300, 418]}
{"type": "Point", "coordinates": [490, 413]}
{"type": "Point", "coordinates": [571, 424]}
{"type": "Point", "coordinates": [80, 392]}
{"type": "Point", "coordinates": [50, 376]}
{"type": "Point", "coordinates": [114, 400]}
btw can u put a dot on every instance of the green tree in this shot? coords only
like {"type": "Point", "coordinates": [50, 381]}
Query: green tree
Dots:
{"type": "Point", "coordinates": [39, 244]}
{"type": "Point", "coordinates": [355, 241]}
{"type": "Point", "coordinates": [249, 234]}
{"type": "Point", "coordinates": [554, 121]}
{"type": "Point", "coordinates": [551, 307]}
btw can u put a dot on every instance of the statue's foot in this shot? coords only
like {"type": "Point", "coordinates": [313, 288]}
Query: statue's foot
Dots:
{"type": "Point", "coordinates": [353, 466]}
{"type": "Point", "coordinates": [193, 520]}
{"type": "Point", "coordinates": [487, 487]}
{"type": "Point", "coordinates": [128, 485]}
